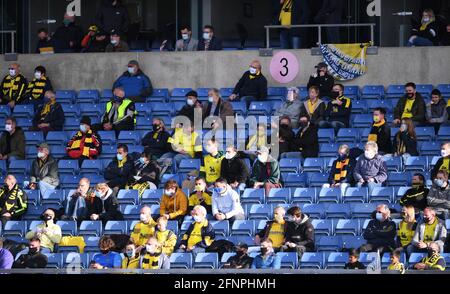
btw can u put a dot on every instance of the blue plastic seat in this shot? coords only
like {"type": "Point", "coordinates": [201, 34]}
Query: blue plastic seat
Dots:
{"type": "Point", "coordinates": [347, 226]}
{"type": "Point", "coordinates": [362, 120]}
{"type": "Point", "coordinates": [313, 260]}
{"type": "Point", "coordinates": [328, 150]}
{"type": "Point", "coordinates": [354, 194]}
{"type": "Point", "coordinates": [289, 165]}
{"type": "Point", "coordinates": [443, 134]}
{"type": "Point", "coordinates": [181, 260]}
{"type": "Point", "coordinates": [367, 257]}
{"type": "Point", "coordinates": [68, 167]}
{"type": "Point", "coordinates": [337, 260]}
{"type": "Point", "coordinates": [150, 197]}
{"type": "Point", "coordinates": [394, 164]}
{"type": "Point", "coordinates": [58, 138]}
{"type": "Point", "coordinates": [68, 228]}
{"type": "Point", "coordinates": [288, 259]}
{"type": "Point", "coordinates": [180, 92]}
{"type": "Point", "coordinates": [313, 164]}
{"type": "Point", "coordinates": [338, 210]}
{"type": "Point", "coordinates": [260, 211]}
{"type": "Point", "coordinates": [323, 227]}
{"type": "Point", "coordinates": [107, 137]}
{"type": "Point", "coordinates": [162, 109]}
{"type": "Point", "coordinates": [315, 210]}
{"type": "Point", "coordinates": [187, 165]}
{"type": "Point", "coordinates": [349, 241]}
{"type": "Point", "coordinates": [386, 104]}
{"type": "Point", "coordinates": [226, 92]}
{"type": "Point", "coordinates": [88, 95]}
{"type": "Point", "coordinates": [424, 90]}
{"type": "Point", "coordinates": [75, 259]}
{"type": "Point", "coordinates": [53, 197]}
{"type": "Point", "coordinates": [329, 195]}
{"type": "Point", "coordinates": [363, 210]}
{"type": "Point", "coordinates": [277, 91]}
{"type": "Point", "coordinates": [424, 133]}
{"type": "Point", "coordinates": [243, 227]}
{"type": "Point", "coordinates": [23, 111]}
{"type": "Point", "coordinates": [260, 108]}
{"type": "Point", "coordinates": [221, 227]}
{"type": "Point", "coordinates": [19, 166]}
{"type": "Point", "coordinates": [359, 107]}
{"type": "Point", "coordinates": [92, 166]}
{"type": "Point", "coordinates": [239, 107]}
{"type": "Point", "coordinates": [329, 243]}
{"type": "Point", "coordinates": [33, 197]}
{"type": "Point", "coordinates": [382, 194]}
{"type": "Point", "coordinates": [15, 228]}
{"type": "Point", "coordinates": [399, 179]}
{"type": "Point", "coordinates": [92, 109]}
{"type": "Point", "coordinates": [206, 260]}
{"type": "Point", "coordinates": [90, 228]}
{"type": "Point", "coordinates": [54, 260]}
{"type": "Point", "coordinates": [69, 182]}
{"type": "Point", "coordinates": [372, 92]}
{"type": "Point", "coordinates": [416, 164]}
{"type": "Point", "coordinates": [346, 135]}
{"type": "Point", "coordinates": [317, 179]}
{"type": "Point", "coordinates": [326, 135]}
{"type": "Point", "coordinates": [115, 227]}
{"type": "Point", "coordinates": [304, 195]}
{"type": "Point", "coordinates": [91, 244]}
{"type": "Point", "coordinates": [129, 137]}
{"type": "Point", "coordinates": [225, 257]}
{"type": "Point", "coordinates": [395, 91]}
{"type": "Point", "coordinates": [65, 96]}
{"type": "Point", "coordinates": [251, 195]}
{"type": "Point", "coordinates": [33, 138]}
{"type": "Point", "coordinates": [352, 92]}
{"type": "Point", "coordinates": [130, 212]}
{"type": "Point", "coordinates": [279, 195]}
{"type": "Point", "coordinates": [294, 180]}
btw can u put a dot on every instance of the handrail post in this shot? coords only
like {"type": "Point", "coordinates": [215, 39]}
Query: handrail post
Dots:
{"type": "Point", "coordinates": [12, 42]}
{"type": "Point", "coordinates": [319, 36]}
{"type": "Point", "coordinates": [372, 35]}
{"type": "Point", "coordinates": [267, 37]}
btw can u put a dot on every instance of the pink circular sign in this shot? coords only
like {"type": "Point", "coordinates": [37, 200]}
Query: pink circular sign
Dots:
{"type": "Point", "coordinates": [284, 67]}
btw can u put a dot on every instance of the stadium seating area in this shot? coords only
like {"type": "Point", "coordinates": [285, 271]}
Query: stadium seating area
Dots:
{"type": "Point", "coordinates": [339, 218]}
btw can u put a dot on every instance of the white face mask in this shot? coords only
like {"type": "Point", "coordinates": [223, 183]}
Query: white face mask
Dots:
{"type": "Point", "coordinates": [8, 127]}
{"type": "Point", "coordinates": [12, 72]}
{"type": "Point", "coordinates": [143, 217]}
{"type": "Point", "coordinates": [41, 154]}
{"type": "Point", "coordinates": [211, 99]}
{"type": "Point", "coordinates": [253, 70]}
{"type": "Point", "coordinates": [228, 156]}
{"type": "Point", "coordinates": [425, 19]}
{"type": "Point", "coordinates": [150, 249]}
{"type": "Point", "coordinates": [444, 153]}
{"type": "Point", "coordinates": [169, 193]}
{"type": "Point", "coordinates": [379, 216]}
{"type": "Point", "coordinates": [190, 102]}
{"type": "Point", "coordinates": [290, 96]}
{"type": "Point", "coordinates": [403, 128]}
{"type": "Point", "coordinates": [114, 41]}
{"type": "Point", "coordinates": [369, 154]}
{"type": "Point", "coordinates": [185, 36]}
{"type": "Point", "coordinates": [37, 75]}
{"type": "Point", "coordinates": [206, 36]}
{"type": "Point", "coordinates": [262, 158]}
{"type": "Point", "coordinates": [83, 128]}
{"type": "Point", "coordinates": [131, 70]}
{"type": "Point", "coordinates": [197, 218]}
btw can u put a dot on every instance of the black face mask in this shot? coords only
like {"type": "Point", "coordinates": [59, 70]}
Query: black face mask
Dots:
{"type": "Point", "coordinates": [284, 126]}
{"type": "Point", "coordinates": [303, 124]}
{"type": "Point", "coordinates": [431, 252]}
{"type": "Point", "coordinates": [104, 251]}
{"type": "Point", "coordinates": [240, 253]}
{"type": "Point", "coordinates": [334, 95]}
{"type": "Point", "coordinates": [46, 217]}
{"type": "Point", "coordinates": [410, 95]}
{"type": "Point", "coordinates": [155, 127]}
{"type": "Point", "coordinates": [32, 250]}
{"type": "Point", "coordinates": [426, 219]}
{"type": "Point", "coordinates": [264, 250]}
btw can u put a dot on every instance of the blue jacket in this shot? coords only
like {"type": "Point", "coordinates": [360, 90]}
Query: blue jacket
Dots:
{"type": "Point", "coordinates": [273, 261]}
{"type": "Point", "coordinates": [137, 85]}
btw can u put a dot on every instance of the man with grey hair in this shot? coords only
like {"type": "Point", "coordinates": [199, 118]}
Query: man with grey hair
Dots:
{"type": "Point", "coordinates": [430, 230]}
{"type": "Point", "coordinates": [274, 230]}
{"type": "Point", "coordinates": [252, 84]}
{"type": "Point", "coordinates": [370, 170]}
{"type": "Point", "coordinates": [433, 260]}
{"type": "Point", "coordinates": [380, 232]}
{"type": "Point", "coordinates": [291, 107]}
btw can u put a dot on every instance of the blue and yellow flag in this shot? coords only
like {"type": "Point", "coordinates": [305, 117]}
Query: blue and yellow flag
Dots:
{"type": "Point", "coordinates": [345, 61]}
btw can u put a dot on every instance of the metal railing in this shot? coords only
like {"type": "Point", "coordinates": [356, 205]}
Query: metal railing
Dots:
{"type": "Point", "coordinates": [319, 29]}
{"type": "Point", "coordinates": [13, 39]}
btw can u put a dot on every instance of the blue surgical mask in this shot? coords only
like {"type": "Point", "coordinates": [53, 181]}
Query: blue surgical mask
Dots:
{"type": "Point", "coordinates": [206, 36]}
{"type": "Point", "coordinates": [97, 193]}
{"type": "Point", "coordinates": [211, 99]}
{"type": "Point", "coordinates": [185, 36]}
{"type": "Point", "coordinates": [379, 216]}
{"type": "Point", "coordinates": [118, 99]}
{"type": "Point", "coordinates": [142, 160]}
{"type": "Point", "coordinates": [131, 253]}
{"type": "Point", "coordinates": [219, 190]}
{"type": "Point", "coordinates": [67, 22]}
{"type": "Point", "coordinates": [131, 70]}
{"type": "Point", "coordinates": [83, 128]}
{"type": "Point", "coordinates": [439, 182]}
{"type": "Point", "coordinates": [119, 157]}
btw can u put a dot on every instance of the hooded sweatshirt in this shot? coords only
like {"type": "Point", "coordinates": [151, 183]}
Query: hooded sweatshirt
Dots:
{"type": "Point", "coordinates": [301, 233]}
{"type": "Point", "coordinates": [227, 203]}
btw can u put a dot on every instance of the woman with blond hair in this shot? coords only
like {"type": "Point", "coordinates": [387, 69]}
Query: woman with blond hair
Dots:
{"type": "Point", "coordinates": [405, 141]}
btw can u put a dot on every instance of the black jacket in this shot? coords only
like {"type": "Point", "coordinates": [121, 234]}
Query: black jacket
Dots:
{"type": "Point", "coordinates": [307, 142]}
{"type": "Point", "coordinates": [355, 265]}
{"type": "Point", "coordinates": [317, 116]}
{"type": "Point", "coordinates": [13, 201]}
{"type": "Point", "coordinates": [427, 33]}
{"type": "Point", "coordinates": [341, 112]}
{"type": "Point", "coordinates": [55, 117]}
{"type": "Point", "coordinates": [255, 87]}
{"type": "Point", "coordinates": [64, 35]}
{"type": "Point", "coordinates": [148, 173]}
{"type": "Point", "coordinates": [238, 262]}
{"type": "Point", "coordinates": [347, 170]}
{"type": "Point", "coordinates": [324, 83]}
{"type": "Point", "coordinates": [119, 177]}
{"type": "Point", "coordinates": [107, 209]}
{"type": "Point", "coordinates": [47, 43]}
{"type": "Point", "coordinates": [437, 167]}
{"type": "Point", "coordinates": [234, 169]}
{"type": "Point", "coordinates": [28, 260]}
{"type": "Point", "coordinates": [159, 145]}
{"type": "Point", "coordinates": [111, 17]}
{"type": "Point", "coordinates": [302, 234]}
{"type": "Point", "coordinates": [97, 46]}
{"type": "Point", "coordinates": [189, 111]}
{"type": "Point", "coordinates": [418, 108]}
{"type": "Point", "coordinates": [214, 45]}
{"type": "Point", "coordinates": [287, 134]}
{"type": "Point", "coordinates": [383, 137]}
{"type": "Point", "coordinates": [403, 143]}
{"type": "Point", "coordinates": [13, 145]}
{"type": "Point", "coordinates": [331, 12]}
{"type": "Point", "coordinates": [416, 197]}
{"type": "Point", "coordinates": [381, 233]}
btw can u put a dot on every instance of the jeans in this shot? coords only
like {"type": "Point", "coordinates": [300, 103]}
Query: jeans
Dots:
{"type": "Point", "coordinates": [175, 159]}
{"type": "Point", "coordinates": [336, 125]}
{"type": "Point", "coordinates": [369, 185]}
{"type": "Point", "coordinates": [288, 41]}
{"type": "Point", "coordinates": [419, 41]}
{"type": "Point", "coordinates": [43, 187]}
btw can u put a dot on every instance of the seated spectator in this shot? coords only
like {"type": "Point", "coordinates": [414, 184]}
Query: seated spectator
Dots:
{"type": "Point", "coordinates": [49, 116]}
{"type": "Point", "coordinates": [95, 41]}
{"type": "Point", "coordinates": [186, 43]}
{"type": "Point", "coordinates": [426, 32]}
{"type": "Point", "coordinates": [265, 171]}
{"type": "Point", "coordinates": [48, 232]}
{"type": "Point", "coordinates": [337, 113]}
{"type": "Point", "coordinates": [405, 141]}
{"type": "Point", "coordinates": [145, 174]}
{"type": "Point", "coordinates": [200, 234]}
{"type": "Point", "coordinates": [433, 260]}
{"type": "Point", "coordinates": [68, 37]}
{"type": "Point", "coordinates": [86, 143]}
{"type": "Point", "coordinates": [274, 230]}
{"type": "Point", "coordinates": [396, 265]}
{"type": "Point", "coordinates": [33, 258]}
{"type": "Point", "coordinates": [131, 257]}
{"type": "Point", "coordinates": [192, 106]}
{"type": "Point", "coordinates": [285, 135]}
{"type": "Point", "coordinates": [209, 42]}
{"type": "Point", "coordinates": [44, 170]}
{"type": "Point", "coordinates": [370, 170]}
{"type": "Point", "coordinates": [144, 229]}
{"type": "Point", "coordinates": [417, 195]}
{"type": "Point", "coordinates": [107, 258]}
{"type": "Point", "coordinates": [267, 259]}
{"type": "Point", "coordinates": [37, 88]}
{"type": "Point", "coordinates": [166, 238]}
{"type": "Point", "coordinates": [313, 108]}
{"type": "Point", "coordinates": [410, 106]}
{"type": "Point", "coordinates": [104, 205]}
{"type": "Point", "coordinates": [256, 141]}
{"type": "Point", "coordinates": [307, 140]}
{"type": "Point", "coordinates": [185, 144]}
{"type": "Point", "coordinates": [153, 258]}
{"type": "Point", "coordinates": [116, 44]}
{"type": "Point", "coordinates": [6, 258]}
{"type": "Point", "coordinates": [174, 203]}
{"type": "Point", "coordinates": [299, 235]}
{"type": "Point", "coordinates": [225, 202]}
{"type": "Point", "coordinates": [443, 163]}
{"type": "Point", "coordinates": [13, 87]}
{"type": "Point", "coordinates": [120, 169]}
{"type": "Point", "coordinates": [353, 260]}
{"type": "Point", "coordinates": [135, 82]}
{"type": "Point", "coordinates": [13, 200]}
{"type": "Point", "coordinates": [241, 260]}
{"type": "Point", "coordinates": [436, 110]}
{"type": "Point", "coordinates": [211, 163]}
{"type": "Point", "coordinates": [216, 107]}
{"type": "Point", "coordinates": [234, 169]}
{"type": "Point", "coordinates": [341, 173]}
{"type": "Point", "coordinates": [439, 195]}
{"type": "Point", "coordinates": [201, 196]}
{"type": "Point", "coordinates": [406, 228]}
{"type": "Point", "coordinates": [291, 107]}
{"type": "Point", "coordinates": [12, 141]}
{"type": "Point", "coordinates": [120, 114]}
{"type": "Point", "coordinates": [45, 44]}
{"type": "Point", "coordinates": [431, 229]}
{"type": "Point", "coordinates": [380, 232]}
{"type": "Point", "coordinates": [322, 80]}
{"type": "Point", "coordinates": [156, 141]}
{"type": "Point", "coordinates": [89, 37]}
{"type": "Point", "coordinates": [75, 207]}
{"type": "Point", "coordinates": [252, 84]}
{"type": "Point", "coordinates": [380, 132]}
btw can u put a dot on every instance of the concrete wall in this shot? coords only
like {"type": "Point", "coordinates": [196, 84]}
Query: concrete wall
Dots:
{"type": "Point", "coordinates": [223, 69]}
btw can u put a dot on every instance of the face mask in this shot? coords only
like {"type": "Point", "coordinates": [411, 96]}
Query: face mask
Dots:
{"type": "Point", "coordinates": [197, 218]}
{"type": "Point", "coordinates": [150, 249]}
{"type": "Point", "coordinates": [131, 253]}
{"type": "Point", "coordinates": [105, 251]}
{"type": "Point", "coordinates": [67, 22]}
{"type": "Point", "coordinates": [41, 155]}
{"type": "Point", "coordinates": [253, 70]}
{"type": "Point", "coordinates": [303, 124]}
{"type": "Point", "coordinates": [83, 128]}
{"type": "Point", "coordinates": [98, 194]}
{"type": "Point", "coordinates": [334, 94]}
{"type": "Point", "coordinates": [439, 182]}
{"type": "Point", "coordinates": [219, 190]}
{"type": "Point", "coordinates": [290, 96]}
{"type": "Point", "coordinates": [369, 154]}
{"type": "Point", "coordinates": [417, 185]}
{"type": "Point", "coordinates": [155, 127]}
{"type": "Point", "coordinates": [169, 193]}
{"type": "Point", "coordinates": [206, 36]}
{"type": "Point", "coordinates": [119, 157]}
{"type": "Point", "coordinates": [444, 153]}
{"type": "Point", "coordinates": [143, 217]}
{"type": "Point", "coordinates": [37, 75]}
{"type": "Point", "coordinates": [426, 219]}
{"type": "Point", "coordinates": [118, 99]}
{"type": "Point", "coordinates": [190, 102]}
{"type": "Point", "coordinates": [12, 72]}
{"type": "Point", "coordinates": [228, 156]}
{"type": "Point", "coordinates": [131, 70]}
{"type": "Point", "coordinates": [114, 41]}
{"type": "Point", "coordinates": [431, 251]}
{"type": "Point", "coordinates": [410, 95]}
{"type": "Point", "coordinates": [199, 188]}
{"type": "Point", "coordinates": [262, 158]}
{"type": "Point", "coordinates": [240, 252]}
{"type": "Point", "coordinates": [8, 127]}
{"type": "Point", "coordinates": [46, 217]}
{"type": "Point", "coordinates": [185, 36]}
{"type": "Point", "coordinates": [376, 118]}
{"type": "Point", "coordinates": [425, 19]}
{"type": "Point", "coordinates": [264, 250]}
{"type": "Point", "coordinates": [47, 99]}
{"type": "Point", "coordinates": [403, 128]}
{"type": "Point", "coordinates": [142, 160]}
{"type": "Point", "coordinates": [32, 250]}
{"type": "Point", "coordinates": [211, 99]}
{"type": "Point", "coordinates": [379, 216]}
{"type": "Point", "coordinates": [278, 219]}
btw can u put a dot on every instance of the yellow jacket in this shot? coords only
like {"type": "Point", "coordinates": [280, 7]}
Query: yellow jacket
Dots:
{"type": "Point", "coordinates": [132, 263]}
{"type": "Point", "coordinates": [174, 206]}
{"type": "Point", "coordinates": [48, 239]}
{"type": "Point", "coordinates": [142, 232]}
{"type": "Point", "coordinates": [168, 240]}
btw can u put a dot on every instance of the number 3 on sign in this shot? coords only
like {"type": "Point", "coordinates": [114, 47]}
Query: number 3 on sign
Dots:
{"type": "Point", "coordinates": [284, 67]}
